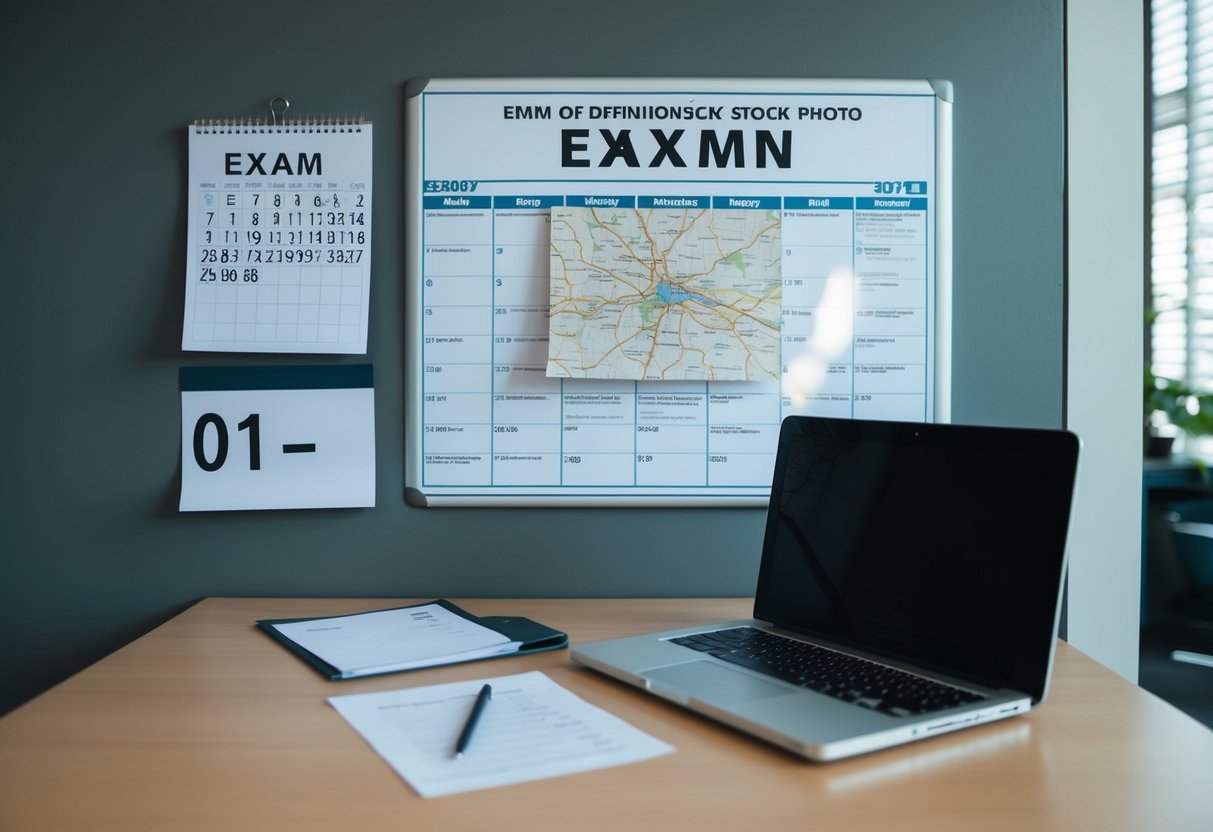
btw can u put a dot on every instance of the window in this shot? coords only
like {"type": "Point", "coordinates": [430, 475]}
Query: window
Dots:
{"type": "Point", "coordinates": [1181, 191]}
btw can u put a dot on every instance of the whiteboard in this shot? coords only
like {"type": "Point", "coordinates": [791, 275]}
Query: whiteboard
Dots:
{"type": "Point", "coordinates": [638, 377]}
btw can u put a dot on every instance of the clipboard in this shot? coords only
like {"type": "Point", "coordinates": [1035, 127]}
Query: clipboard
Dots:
{"type": "Point", "coordinates": [522, 636]}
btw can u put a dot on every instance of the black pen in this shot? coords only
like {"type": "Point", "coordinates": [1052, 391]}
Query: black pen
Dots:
{"type": "Point", "coordinates": [465, 736]}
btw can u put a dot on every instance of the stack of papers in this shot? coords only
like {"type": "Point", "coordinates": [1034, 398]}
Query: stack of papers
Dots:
{"type": "Point", "coordinates": [532, 728]}
{"type": "Point", "coordinates": [390, 640]}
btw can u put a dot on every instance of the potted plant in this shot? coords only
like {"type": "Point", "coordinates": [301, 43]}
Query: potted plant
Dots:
{"type": "Point", "coordinates": [1180, 405]}
{"type": "Point", "coordinates": [1168, 401]}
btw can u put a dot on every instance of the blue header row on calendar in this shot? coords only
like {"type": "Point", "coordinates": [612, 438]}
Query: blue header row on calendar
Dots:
{"type": "Point", "coordinates": [765, 203]}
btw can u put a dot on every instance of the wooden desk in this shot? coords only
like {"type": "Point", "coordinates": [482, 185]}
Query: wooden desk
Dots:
{"type": "Point", "coordinates": [205, 723]}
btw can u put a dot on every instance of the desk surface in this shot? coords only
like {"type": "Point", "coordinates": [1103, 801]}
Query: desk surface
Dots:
{"type": "Point", "coordinates": [205, 723]}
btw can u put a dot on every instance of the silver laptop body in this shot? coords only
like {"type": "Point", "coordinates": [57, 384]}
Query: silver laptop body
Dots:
{"type": "Point", "coordinates": [929, 549]}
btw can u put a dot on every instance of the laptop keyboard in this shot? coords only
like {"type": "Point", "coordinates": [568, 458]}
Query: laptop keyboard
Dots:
{"type": "Point", "coordinates": [849, 678]}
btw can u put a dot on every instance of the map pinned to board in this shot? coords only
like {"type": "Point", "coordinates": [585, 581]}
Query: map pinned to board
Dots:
{"type": "Point", "coordinates": [665, 293]}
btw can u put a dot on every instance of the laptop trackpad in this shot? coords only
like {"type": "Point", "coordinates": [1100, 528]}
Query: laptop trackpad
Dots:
{"type": "Point", "coordinates": [713, 683]}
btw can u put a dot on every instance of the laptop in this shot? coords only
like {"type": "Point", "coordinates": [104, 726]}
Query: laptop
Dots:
{"type": "Point", "coordinates": [910, 585]}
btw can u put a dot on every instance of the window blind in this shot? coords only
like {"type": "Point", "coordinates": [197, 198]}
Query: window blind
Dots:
{"type": "Point", "coordinates": [1181, 191]}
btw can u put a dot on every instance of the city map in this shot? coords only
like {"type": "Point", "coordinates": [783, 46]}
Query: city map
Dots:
{"type": "Point", "coordinates": [665, 293]}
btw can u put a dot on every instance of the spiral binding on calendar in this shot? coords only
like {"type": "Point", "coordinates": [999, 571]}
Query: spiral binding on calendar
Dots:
{"type": "Point", "coordinates": [278, 123]}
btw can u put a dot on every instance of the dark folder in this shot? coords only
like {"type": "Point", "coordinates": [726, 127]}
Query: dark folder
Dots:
{"type": "Point", "coordinates": [530, 637]}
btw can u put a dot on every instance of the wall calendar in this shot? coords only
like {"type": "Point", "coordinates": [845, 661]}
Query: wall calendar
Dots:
{"type": "Point", "coordinates": [279, 240]}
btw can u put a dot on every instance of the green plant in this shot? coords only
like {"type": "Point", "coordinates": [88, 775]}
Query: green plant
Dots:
{"type": "Point", "coordinates": [1177, 402]}
{"type": "Point", "coordinates": [1183, 407]}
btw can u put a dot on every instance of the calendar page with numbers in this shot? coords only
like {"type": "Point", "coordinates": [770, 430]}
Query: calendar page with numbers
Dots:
{"type": "Point", "coordinates": [279, 242]}
{"type": "Point", "coordinates": [617, 289]}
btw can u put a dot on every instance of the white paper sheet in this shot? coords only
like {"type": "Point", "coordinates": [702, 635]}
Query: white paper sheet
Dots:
{"type": "Point", "coordinates": [531, 729]}
{"type": "Point", "coordinates": [399, 639]}
{"type": "Point", "coordinates": [336, 468]}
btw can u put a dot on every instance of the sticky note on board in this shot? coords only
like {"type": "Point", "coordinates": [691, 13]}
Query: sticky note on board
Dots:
{"type": "Point", "coordinates": [277, 437]}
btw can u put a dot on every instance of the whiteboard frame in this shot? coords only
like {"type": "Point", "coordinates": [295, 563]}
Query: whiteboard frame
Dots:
{"type": "Point", "coordinates": [939, 316]}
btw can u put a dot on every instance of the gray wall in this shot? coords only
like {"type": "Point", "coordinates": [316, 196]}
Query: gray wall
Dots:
{"type": "Point", "coordinates": [92, 235]}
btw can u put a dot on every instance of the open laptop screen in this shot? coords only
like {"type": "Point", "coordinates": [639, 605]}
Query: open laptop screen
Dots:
{"type": "Point", "coordinates": [939, 545]}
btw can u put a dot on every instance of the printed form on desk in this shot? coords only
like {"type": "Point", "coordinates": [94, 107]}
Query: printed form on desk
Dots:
{"type": "Point", "coordinates": [531, 729]}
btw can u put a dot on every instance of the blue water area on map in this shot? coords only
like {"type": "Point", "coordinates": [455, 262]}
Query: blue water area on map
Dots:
{"type": "Point", "coordinates": [676, 294]}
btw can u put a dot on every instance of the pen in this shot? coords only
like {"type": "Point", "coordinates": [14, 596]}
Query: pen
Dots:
{"type": "Point", "coordinates": [465, 736]}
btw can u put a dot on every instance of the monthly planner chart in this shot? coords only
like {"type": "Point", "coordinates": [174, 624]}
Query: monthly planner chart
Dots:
{"type": "Point", "coordinates": [854, 344]}
{"type": "Point", "coordinates": [279, 238]}
{"type": "Point", "coordinates": [858, 300]}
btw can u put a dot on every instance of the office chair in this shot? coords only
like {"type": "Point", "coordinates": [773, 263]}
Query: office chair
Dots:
{"type": "Point", "coordinates": [1179, 571]}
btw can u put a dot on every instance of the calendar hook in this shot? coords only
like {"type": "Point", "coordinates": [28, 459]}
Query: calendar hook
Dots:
{"type": "Point", "coordinates": [278, 107]}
